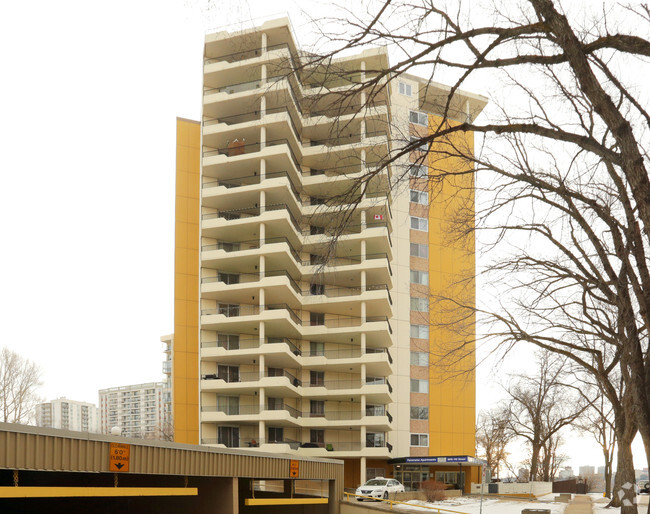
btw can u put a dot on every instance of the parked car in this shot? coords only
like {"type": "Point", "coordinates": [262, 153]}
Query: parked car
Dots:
{"type": "Point", "coordinates": [379, 487]}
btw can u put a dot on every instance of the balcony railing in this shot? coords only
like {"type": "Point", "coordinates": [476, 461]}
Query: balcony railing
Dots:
{"type": "Point", "coordinates": [329, 321]}
{"type": "Point", "coordinates": [251, 343]}
{"type": "Point", "coordinates": [237, 246]}
{"type": "Point", "coordinates": [252, 212]}
{"type": "Point", "coordinates": [231, 278]}
{"type": "Point", "coordinates": [244, 54]}
{"type": "Point", "coordinates": [251, 376]}
{"type": "Point", "coordinates": [345, 110]}
{"type": "Point", "coordinates": [344, 140]}
{"type": "Point", "coordinates": [236, 150]}
{"type": "Point", "coordinates": [243, 86]}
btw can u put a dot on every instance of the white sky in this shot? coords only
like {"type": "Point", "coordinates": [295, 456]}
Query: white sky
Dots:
{"type": "Point", "coordinates": [88, 99]}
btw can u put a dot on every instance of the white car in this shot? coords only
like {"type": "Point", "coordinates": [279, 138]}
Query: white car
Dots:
{"type": "Point", "coordinates": [379, 487]}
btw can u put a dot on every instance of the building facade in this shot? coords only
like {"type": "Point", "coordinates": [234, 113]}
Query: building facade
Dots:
{"type": "Point", "coordinates": [139, 410]}
{"type": "Point", "coordinates": [68, 415]}
{"type": "Point", "coordinates": [303, 314]}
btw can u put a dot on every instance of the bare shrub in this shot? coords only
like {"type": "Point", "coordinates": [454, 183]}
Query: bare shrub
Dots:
{"type": "Point", "coordinates": [433, 491]}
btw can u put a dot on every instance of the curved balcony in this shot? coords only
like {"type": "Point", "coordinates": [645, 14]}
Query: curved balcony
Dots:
{"type": "Point", "coordinates": [284, 386]}
{"type": "Point", "coordinates": [283, 321]}
{"type": "Point", "coordinates": [280, 286]}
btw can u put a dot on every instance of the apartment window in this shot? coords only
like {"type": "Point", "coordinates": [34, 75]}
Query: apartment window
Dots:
{"type": "Point", "coordinates": [419, 118]}
{"type": "Point", "coordinates": [228, 404]}
{"type": "Point", "coordinates": [419, 277]}
{"type": "Point", "coordinates": [419, 385]}
{"type": "Point", "coordinates": [316, 318]}
{"type": "Point", "coordinates": [423, 146]}
{"type": "Point", "coordinates": [405, 89]}
{"type": "Point", "coordinates": [419, 304]}
{"type": "Point", "coordinates": [315, 230]}
{"type": "Point", "coordinates": [419, 223]}
{"type": "Point", "coordinates": [315, 259]}
{"type": "Point", "coordinates": [375, 410]}
{"type": "Point", "coordinates": [229, 247]}
{"type": "Point", "coordinates": [276, 434]}
{"type": "Point", "coordinates": [229, 278]}
{"type": "Point", "coordinates": [421, 197]}
{"type": "Point", "coordinates": [316, 378]}
{"type": "Point", "coordinates": [450, 478]}
{"type": "Point", "coordinates": [228, 341]}
{"type": "Point", "coordinates": [375, 439]}
{"type": "Point", "coordinates": [316, 172]}
{"type": "Point", "coordinates": [229, 309]}
{"type": "Point", "coordinates": [419, 359]}
{"type": "Point", "coordinates": [419, 171]}
{"type": "Point", "coordinates": [228, 436]}
{"type": "Point", "coordinates": [316, 408]}
{"type": "Point", "coordinates": [316, 349]}
{"type": "Point", "coordinates": [418, 250]}
{"type": "Point", "coordinates": [420, 331]}
{"type": "Point", "coordinates": [228, 373]}
{"type": "Point", "coordinates": [276, 372]}
{"type": "Point", "coordinates": [317, 289]}
{"type": "Point", "coordinates": [375, 472]}
{"type": "Point", "coordinates": [274, 403]}
{"type": "Point", "coordinates": [419, 412]}
{"type": "Point", "coordinates": [316, 200]}
{"type": "Point", "coordinates": [317, 437]}
{"type": "Point", "coordinates": [419, 439]}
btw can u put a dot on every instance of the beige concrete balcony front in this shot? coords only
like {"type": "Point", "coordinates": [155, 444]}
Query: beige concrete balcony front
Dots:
{"type": "Point", "coordinates": [246, 383]}
{"type": "Point", "coordinates": [282, 321]}
{"type": "Point", "coordinates": [279, 286]}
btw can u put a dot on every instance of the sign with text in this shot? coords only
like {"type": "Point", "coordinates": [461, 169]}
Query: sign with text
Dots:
{"type": "Point", "coordinates": [119, 457]}
{"type": "Point", "coordinates": [294, 468]}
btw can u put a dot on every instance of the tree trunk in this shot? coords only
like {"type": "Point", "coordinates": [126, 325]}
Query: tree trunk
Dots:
{"type": "Point", "coordinates": [608, 475]}
{"type": "Point", "coordinates": [624, 495]}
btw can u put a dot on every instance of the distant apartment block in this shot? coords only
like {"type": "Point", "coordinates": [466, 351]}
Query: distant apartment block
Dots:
{"type": "Point", "coordinates": [68, 415]}
{"type": "Point", "coordinates": [586, 471]}
{"type": "Point", "coordinates": [139, 410]}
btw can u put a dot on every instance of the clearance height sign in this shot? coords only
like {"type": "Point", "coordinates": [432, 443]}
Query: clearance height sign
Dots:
{"type": "Point", "coordinates": [119, 457]}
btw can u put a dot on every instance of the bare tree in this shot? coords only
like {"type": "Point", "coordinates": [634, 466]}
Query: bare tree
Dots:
{"type": "Point", "coordinates": [540, 406]}
{"type": "Point", "coordinates": [562, 178]}
{"type": "Point", "coordinates": [598, 420]}
{"type": "Point", "coordinates": [19, 381]}
{"type": "Point", "coordinates": [492, 438]}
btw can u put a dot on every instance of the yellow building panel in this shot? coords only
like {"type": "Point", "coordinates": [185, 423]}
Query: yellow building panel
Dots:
{"type": "Point", "coordinates": [185, 373]}
{"type": "Point", "coordinates": [451, 275]}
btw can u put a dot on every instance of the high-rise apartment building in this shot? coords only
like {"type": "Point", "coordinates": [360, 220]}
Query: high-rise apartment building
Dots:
{"type": "Point", "coordinates": [68, 415]}
{"type": "Point", "coordinates": [139, 410]}
{"type": "Point", "coordinates": [303, 320]}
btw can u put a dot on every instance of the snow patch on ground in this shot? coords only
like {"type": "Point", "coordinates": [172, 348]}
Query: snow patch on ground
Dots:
{"type": "Point", "coordinates": [472, 506]}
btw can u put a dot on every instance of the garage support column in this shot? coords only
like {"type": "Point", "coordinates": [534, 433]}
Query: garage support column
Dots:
{"type": "Point", "coordinates": [333, 503]}
{"type": "Point", "coordinates": [362, 464]}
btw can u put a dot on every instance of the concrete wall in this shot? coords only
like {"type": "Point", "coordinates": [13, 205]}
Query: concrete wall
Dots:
{"type": "Point", "coordinates": [528, 488]}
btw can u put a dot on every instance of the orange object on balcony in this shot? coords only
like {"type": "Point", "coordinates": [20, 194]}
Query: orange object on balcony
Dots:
{"type": "Point", "coordinates": [236, 147]}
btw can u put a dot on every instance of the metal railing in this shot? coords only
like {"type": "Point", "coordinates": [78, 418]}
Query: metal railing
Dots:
{"type": "Point", "coordinates": [251, 343]}
{"type": "Point", "coordinates": [252, 180]}
{"type": "Point", "coordinates": [251, 376]}
{"type": "Point", "coordinates": [248, 278]}
{"type": "Point", "coordinates": [293, 412]}
{"type": "Point", "coordinates": [241, 410]}
{"type": "Point", "coordinates": [252, 244]}
{"type": "Point", "coordinates": [337, 321]}
{"type": "Point", "coordinates": [244, 54]}
{"type": "Point", "coordinates": [252, 212]}
{"type": "Point", "coordinates": [344, 140]}
{"type": "Point", "coordinates": [345, 110]}
{"type": "Point", "coordinates": [243, 86]}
